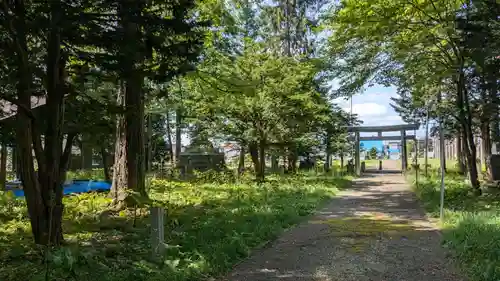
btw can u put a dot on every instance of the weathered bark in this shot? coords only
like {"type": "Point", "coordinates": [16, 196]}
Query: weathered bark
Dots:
{"type": "Point", "coordinates": [133, 78]}
{"type": "Point", "coordinates": [3, 166]}
{"type": "Point", "coordinates": [134, 123]}
{"type": "Point", "coordinates": [119, 184]}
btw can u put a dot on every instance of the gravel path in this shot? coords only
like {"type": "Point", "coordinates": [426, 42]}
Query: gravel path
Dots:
{"type": "Point", "coordinates": [375, 230]}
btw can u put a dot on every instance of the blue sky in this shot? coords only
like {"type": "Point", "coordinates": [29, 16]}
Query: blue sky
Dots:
{"type": "Point", "coordinates": [373, 107]}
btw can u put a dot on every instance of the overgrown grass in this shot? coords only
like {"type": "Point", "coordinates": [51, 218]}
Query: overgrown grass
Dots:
{"type": "Point", "coordinates": [94, 174]}
{"type": "Point", "coordinates": [209, 227]}
{"type": "Point", "coordinates": [471, 226]}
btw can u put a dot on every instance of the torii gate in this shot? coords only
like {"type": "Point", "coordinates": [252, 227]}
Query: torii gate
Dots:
{"type": "Point", "coordinates": [379, 130]}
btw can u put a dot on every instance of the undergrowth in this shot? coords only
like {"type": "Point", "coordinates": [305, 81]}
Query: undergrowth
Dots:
{"type": "Point", "coordinates": [209, 226]}
{"type": "Point", "coordinates": [94, 174]}
{"type": "Point", "coordinates": [471, 226]}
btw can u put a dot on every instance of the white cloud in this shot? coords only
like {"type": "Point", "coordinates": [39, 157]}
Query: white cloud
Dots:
{"type": "Point", "coordinates": [373, 107]}
{"type": "Point", "coordinates": [368, 109]}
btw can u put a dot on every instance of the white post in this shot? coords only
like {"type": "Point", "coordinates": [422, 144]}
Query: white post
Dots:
{"type": "Point", "coordinates": [157, 230]}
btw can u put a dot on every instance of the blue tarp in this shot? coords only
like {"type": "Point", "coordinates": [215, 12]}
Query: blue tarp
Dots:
{"type": "Point", "coordinates": [77, 186]}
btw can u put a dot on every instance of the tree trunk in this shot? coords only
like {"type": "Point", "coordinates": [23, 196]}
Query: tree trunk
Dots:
{"type": "Point", "coordinates": [493, 113]}
{"type": "Point", "coordinates": [460, 156]}
{"type": "Point", "coordinates": [66, 155]}
{"type": "Point", "coordinates": [485, 145]}
{"type": "Point", "coordinates": [134, 123]}
{"type": "Point", "coordinates": [43, 193]}
{"type": "Point", "coordinates": [495, 131]}
{"type": "Point", "coordinates": [328, 154]}
{"type": "Point", "coordinates": [15, 162]}
{"type": "Point", "coordinates": [105, 163]}
{"type": "Point", "coordinates": [119, 184]}
{"type": "Point", "coordinates": [44, 189]}
{"type": "Point", "coordinates": [87, 153]}
{"type": "Point", "coordinates": [274, 162]}
{"type": "Point", "coordinates": [23, 151]}
{"type": "Point", "coordinates": [253, 148]}
{"type": "Point", "coordinates": [241, 162]}
{"type": "Point", "coordinates": [133, 77]}
{"type": "Point", "coordinates": [149, 154]}
{"type": "Point", "coordinates": [262, 161]}
{"type": "Point", "coordinates": [3, 166]}
{"type": "Point", "coordinates": [292, 159]}
{"type": "Point", "coordinates": [465, 118]}
{"type": "Point", "coordinates": [169, 137]}
{"type": "Point", "coordinates": [342, 161]}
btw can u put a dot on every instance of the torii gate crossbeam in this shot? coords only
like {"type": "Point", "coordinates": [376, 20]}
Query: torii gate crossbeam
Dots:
{"type": "Point", "coordinates": [379, 130]}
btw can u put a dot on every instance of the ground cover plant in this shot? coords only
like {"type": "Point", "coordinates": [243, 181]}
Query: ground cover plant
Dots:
{"type": "Point", "coordinates": [209, 227]}
{"type": "Point", "coordinates": [471, 226]}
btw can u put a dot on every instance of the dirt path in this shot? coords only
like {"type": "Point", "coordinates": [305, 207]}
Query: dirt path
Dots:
{"type": "Point", "coordinates": [374, 231]}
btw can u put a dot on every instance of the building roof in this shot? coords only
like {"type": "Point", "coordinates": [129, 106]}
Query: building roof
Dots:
{"type": "Point", "coordinates": [8, 110]}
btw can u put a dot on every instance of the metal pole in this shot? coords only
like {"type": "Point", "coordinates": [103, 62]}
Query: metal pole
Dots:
{"type": "Point", "coordinates": [352, 124]}
{"type": "Point", "coordinates": [442, 158]}
{"type": "Point", "coordinates": [427, 142]}
{"type": "Point", "coordinates": [416, 158]}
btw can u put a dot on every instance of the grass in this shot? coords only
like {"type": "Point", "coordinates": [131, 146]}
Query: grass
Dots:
{"type": "Point", "coordinates": [359, 232]}
{"type": "Point", "coordinates": [209, 227]}
{"type": "Point", "coordinates": [94, 174]}
{"type": "Point", "coordinates": [471, 225]}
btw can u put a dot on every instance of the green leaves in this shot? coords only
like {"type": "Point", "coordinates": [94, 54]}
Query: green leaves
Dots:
{"type": "Point", "coordinates": [257, 96]}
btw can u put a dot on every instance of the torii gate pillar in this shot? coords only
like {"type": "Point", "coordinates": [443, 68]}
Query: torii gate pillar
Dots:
{"type": "Point", "coordinates": [357, 162]}
{"type": "Point", "coordinates": [404, 154]}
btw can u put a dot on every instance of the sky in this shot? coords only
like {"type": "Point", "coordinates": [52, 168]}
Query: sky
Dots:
{"type": "Point", "coordinates": [373, 107]}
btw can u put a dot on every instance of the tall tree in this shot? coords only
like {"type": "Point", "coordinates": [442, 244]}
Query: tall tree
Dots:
{"type": "Point", "coordinates": [409, 37]}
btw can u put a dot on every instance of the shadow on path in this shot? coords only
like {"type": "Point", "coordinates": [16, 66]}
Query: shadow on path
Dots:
{"type": "Point", "coordinates": [375, 230]}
